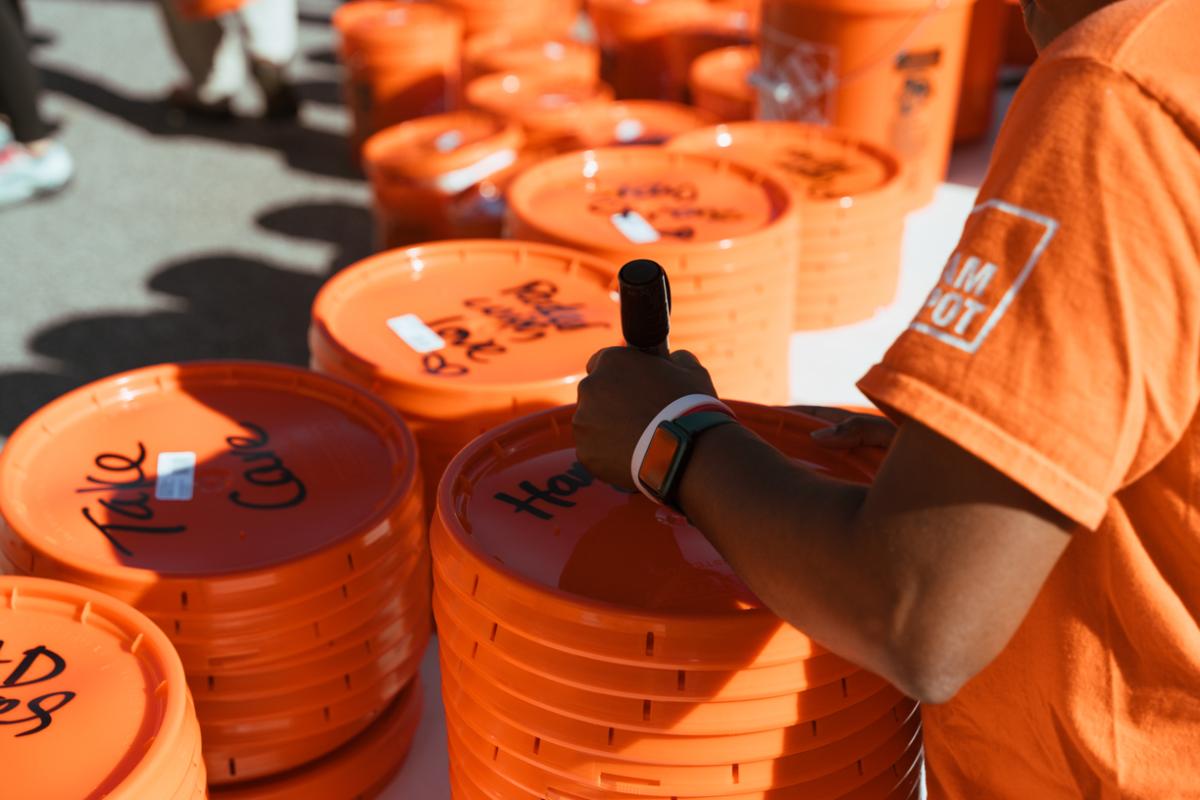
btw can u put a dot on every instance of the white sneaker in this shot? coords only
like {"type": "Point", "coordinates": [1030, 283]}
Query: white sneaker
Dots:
{"type": "Point", "coordinates": [24, 176]}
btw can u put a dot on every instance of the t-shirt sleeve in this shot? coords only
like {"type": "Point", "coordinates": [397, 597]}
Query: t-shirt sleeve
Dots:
{"type": "Point", "coordinates": [1061, 344]}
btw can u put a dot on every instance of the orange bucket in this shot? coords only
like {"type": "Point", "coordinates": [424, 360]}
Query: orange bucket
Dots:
{"type": "Point", "coordinates": [889, 72]}
{"type": "Point", "coordinates": [270, 519]}
{"type": "Point", "coordinates": [548, 107]}
{"type": "Point", "coordinates": [503, 51]}
{"type": "Point", "coordinates": [207, 9]}
{"type": "Point", "coordinates": [462, 336]}
{"type": "Point", "coordinates": [720, 25]}
{"type": "Point", "coordinates": [707, 220]}
{"type": "Point", "coordinates": [635, 122]}
{"type": "Point", "coordinates": [572, 667]}
{"type": "Point", "coordinates": [526, 16]}
{"type": "Point", "coordinates": [631, 34]}
{"type": "Point", "coordinates": [441, 177]}
{"type": "Point", "coordinates": [360, 768]}
{"type": "Point", "coordinates": [720, 82]}
{"type": "Point", "coordinates": [981, 70]}
{"type": "Point", "coordinates": [403, 60]}
{"type": "Point", "coordinates": [851, 199]}
{"type": "Point", "coordinates": [74, 662]}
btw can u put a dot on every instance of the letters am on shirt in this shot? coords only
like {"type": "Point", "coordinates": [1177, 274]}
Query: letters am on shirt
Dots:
{"type": "Point", "coordinates": [1000, 246]}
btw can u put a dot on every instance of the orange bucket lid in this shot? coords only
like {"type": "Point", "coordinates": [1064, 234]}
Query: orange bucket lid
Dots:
{"type": "Point", "coordinates": [379, 25]}
{"type": "Point", "coordinates": [448, 153]}
{"type": "Point", "coordinates": [618, 21]}
{"type": "Point", "coordinates": [645, 747]}
{"type": "Point", "coordinates": [546, 104]}
{"type": "Point", "coordinates": [478, 754]}
{"type": "Point", "coordinates": [682, 718]}
{"type": "Point", "coordinates": [455, 328]}
{"type": "Point", "coordinates": [206, 486]}
{"type": "Point", "coordinates": [506, 51]}
{"type": "Point", "coordinates": [636, 122]}
{"type": "Point", "coordinates": [683, 781]}
{"type": "Point", "coordinates": [523, 529]}
{"type": "Point", "coordinates": [76, 662]}
{"type": "Point", "coordinates": [277, 643]}
{"type": "Point", "coordinates": [725, 72]}
{"type": "Point", "coordinates": [393, 569]}
{"type": "Point", "coordinates": [823, 166]}
{"type": "Point", "coordinates": [650, 202]}
{"type": "Point", "coordinates": [383, 635]}
{"type": "Point", "coordinates": [363, 764]}
{"type": "Point", "coordinates": [458, 617]}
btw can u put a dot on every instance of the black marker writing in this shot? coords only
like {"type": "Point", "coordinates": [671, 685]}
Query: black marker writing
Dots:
{"type": "Point", "coordinates": [557, 487]}
{"type": "Point", "coordinates": [130, 507]}
{"type": "Point", "coordinates": [29, 672]}
{"type": "Point", "coordinates": [267, 471]}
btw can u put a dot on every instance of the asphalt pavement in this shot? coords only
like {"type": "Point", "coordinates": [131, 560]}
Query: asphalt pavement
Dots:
{"type": "Point", "coordinates": [177, 240]}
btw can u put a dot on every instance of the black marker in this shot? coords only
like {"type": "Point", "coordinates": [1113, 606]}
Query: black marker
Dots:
{"type": "Point", "coordinates": [645, 306]}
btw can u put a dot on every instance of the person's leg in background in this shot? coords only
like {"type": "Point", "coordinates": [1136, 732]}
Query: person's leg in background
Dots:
{"type": "Point", "coordinates": [270, 29]}
{"type": "Point", "coordinates": [211, 55]}
{"type": "Point", "coordinates": [33, 163]}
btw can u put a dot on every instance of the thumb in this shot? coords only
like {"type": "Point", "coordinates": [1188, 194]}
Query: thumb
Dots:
{"type": "Point", "coordinates": [685, 358]}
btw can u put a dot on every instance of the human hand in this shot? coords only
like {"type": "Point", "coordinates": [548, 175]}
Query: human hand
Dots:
{"type": "Point", "coordinates": [850, 429]}
{"type": "Point", "coordinates": [624, 390]}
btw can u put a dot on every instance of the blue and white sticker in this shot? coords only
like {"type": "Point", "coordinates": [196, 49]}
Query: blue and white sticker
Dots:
{"type": "Point", "coordinates": [176, 476]}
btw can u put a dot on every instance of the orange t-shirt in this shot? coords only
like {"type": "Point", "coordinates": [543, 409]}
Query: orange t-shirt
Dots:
{"type": "Point", "coordinates": [1062, 346]}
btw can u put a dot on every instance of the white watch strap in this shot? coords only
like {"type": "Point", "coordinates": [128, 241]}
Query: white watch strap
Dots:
{"type": "Point", "coordinates": [673, 411]}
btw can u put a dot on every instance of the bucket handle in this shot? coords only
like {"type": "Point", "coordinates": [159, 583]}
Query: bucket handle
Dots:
{"type": "Point", "coordinates": [781, 91]}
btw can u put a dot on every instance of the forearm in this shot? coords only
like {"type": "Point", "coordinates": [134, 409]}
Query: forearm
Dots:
{"type": "Point", "coordinates": [794, 538]}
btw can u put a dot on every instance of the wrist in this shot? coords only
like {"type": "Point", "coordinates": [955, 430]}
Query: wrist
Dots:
{"type": "Point", "coordinates": [694, 484]}
{"type": "Point", "coordinates": [665, 445]}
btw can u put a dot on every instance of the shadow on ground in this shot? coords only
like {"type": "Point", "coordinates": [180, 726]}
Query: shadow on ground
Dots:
{"type": "Point", "coordinates": [217, 305]}
{"type": "Point", "coordinates": [305, 149]}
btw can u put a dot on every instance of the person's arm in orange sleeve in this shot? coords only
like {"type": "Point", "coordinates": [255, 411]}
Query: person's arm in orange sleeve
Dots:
{"type": "Point", "coordinates": [1055, 361]}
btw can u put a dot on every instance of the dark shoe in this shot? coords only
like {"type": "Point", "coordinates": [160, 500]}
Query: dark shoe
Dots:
{"type": "Point", "coordinates": [185, 100]}
{"type": "Point", "coordinates": [282, 103]}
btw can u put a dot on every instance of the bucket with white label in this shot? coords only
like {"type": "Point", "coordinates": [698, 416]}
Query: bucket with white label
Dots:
{"type": "Point", "coordinates": [441, 177]}
{"type": "Point", "coordinates": [594, 642]}
{"type": "Point", "coordinates": [268, 519]}
{"type": "Point", "coordinates": [726, 233]}
{"type": "Point", "coordinates": [462, 336]}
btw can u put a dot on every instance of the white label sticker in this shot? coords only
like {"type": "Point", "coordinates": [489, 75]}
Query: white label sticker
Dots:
{"type": "Point", "coordinates": [416, 334]}
{"type": "Point", "coordinates": [635, 228]}
{"type": "Point", "coordinates": [176, 476]}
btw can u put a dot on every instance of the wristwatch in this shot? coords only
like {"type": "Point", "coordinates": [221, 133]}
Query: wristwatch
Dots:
{"type": "Point", "coordinates": [670, 449]}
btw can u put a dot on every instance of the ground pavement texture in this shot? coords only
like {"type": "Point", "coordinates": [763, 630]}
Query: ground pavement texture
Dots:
{"type": "Point", "coordinates": [177, 240]}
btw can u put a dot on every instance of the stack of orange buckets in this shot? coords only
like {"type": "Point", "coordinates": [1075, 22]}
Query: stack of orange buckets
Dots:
{"type": "Point", "coordinates": [485, 16]}
{"type": "Point", "coordinates": [852, 205]}
{"type": "Point", "coordinates": [594, 645]}
{"type": "Point", "coordinates": [402, 61]}
{"type": "Point", "coordinates": [95, 701]}
{"type": "Point", "coordinates": [888, 72]}
{"type": "Point", "coordinates": [441, 177]}
{"type": "Point", "coordinates": [503, 51]}
{"type": "Point", "coordinates": [720, 82]}
{"type": "Point", "coordinates": [547, 105]}
{"type": "Point", "coordinates": [271, 522]}
{"type": "Point", "coordinates": [462, 336]}
{"type": "Point", "coordinates": [726, 233]}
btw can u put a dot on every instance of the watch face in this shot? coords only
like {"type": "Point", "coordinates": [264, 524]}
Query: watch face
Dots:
{"type": "Point", "coordinates": [660, 458]}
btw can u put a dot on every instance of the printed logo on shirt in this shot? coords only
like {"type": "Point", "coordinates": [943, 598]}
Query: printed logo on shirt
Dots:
{"type": "Point", "coordinates": [1002, 243]}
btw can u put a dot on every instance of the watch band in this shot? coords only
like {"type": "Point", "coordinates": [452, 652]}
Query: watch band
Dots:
{"type": "Point", "coordinates": [673, 411]}
{"type": "Point", "coordinates": [692, 425]}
